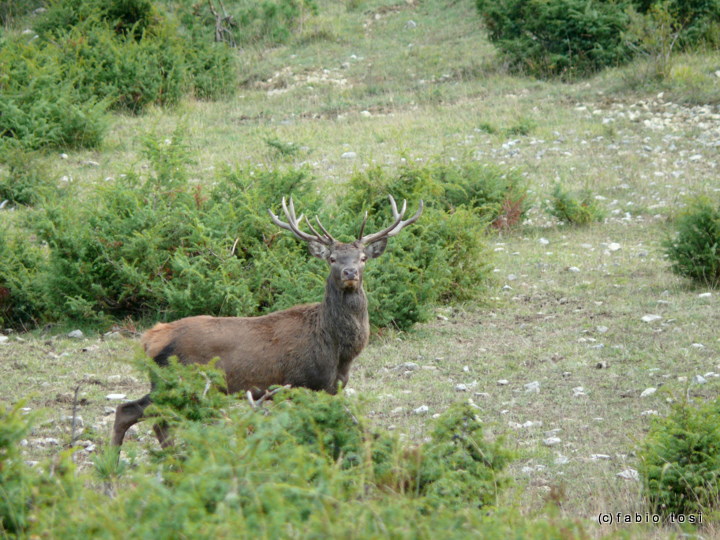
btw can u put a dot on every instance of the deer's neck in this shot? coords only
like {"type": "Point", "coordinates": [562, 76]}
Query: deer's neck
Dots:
{"type": "Point", "coordinates": [345, 319]}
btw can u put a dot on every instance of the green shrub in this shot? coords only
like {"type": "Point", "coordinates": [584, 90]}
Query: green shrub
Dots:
{"type": "Point", "coordinates": [26, 181]}
{"type": "Point", "coordinates": [565, 38]}
{"type": "Point", "coordinates": [26, 491]}
{"type": "Point", "coordinates": [579, 208]}
{"type": "Point", "coordinates": [695, 22]}
{"type": "Point", "coordinates": [41, 105]}
{"type": "Point", "coordinates": [694, 250]}
{"type": "Point", "coordinates": [680, 460]}
{"type": "Point", "coordinates": [22, 300]}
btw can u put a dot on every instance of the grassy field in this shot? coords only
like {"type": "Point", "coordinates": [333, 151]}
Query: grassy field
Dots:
{"type": "Point", "coordinates": [417, 81]}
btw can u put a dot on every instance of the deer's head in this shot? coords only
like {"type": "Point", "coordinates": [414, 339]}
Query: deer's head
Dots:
{"type": "Point", "coordinates": [346, 260]}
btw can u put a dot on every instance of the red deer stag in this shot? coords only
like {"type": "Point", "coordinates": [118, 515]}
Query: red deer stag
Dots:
{"type": "Point", "coordinates": [311, 345]}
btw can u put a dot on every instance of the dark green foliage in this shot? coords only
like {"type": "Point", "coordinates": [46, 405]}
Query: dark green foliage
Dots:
{"type": "Point", "coordinates": [41, 106]}
{"type": "Point", "coordinates": [245, 22]}
{"type": "Point", "coordinates": [565, 38]}
{"type": "Point", "coordinates": [12, 9]}
{"type": "Point", "coordinates": [304, 465]}
{"type": "Point", "coordinates": [160, 247]}
{"type": "Point", "coordinates": [26, 181]}
{"type": "Point", "coordinates": [22, 301]}
{"type": "Point", "coordinates": [680, 460]}
{"type": "Point", "coordinates": [575, 208]}
{"type": "Point", "coordinates": [694, 251]}
{"type": "Point", "coordinates": [697, 22]}
{"type": "Point", "coordinates": [26, 491]}
{"type": "Point", "coordinates": [92, 55]}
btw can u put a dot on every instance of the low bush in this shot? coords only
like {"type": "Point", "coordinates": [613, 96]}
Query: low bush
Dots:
{"type": "Point", "coordinates": [575, 208]}
{"type": "Point", "coordinates": [305, 465]}
{"type": "Point", "coordinates": [694, 23]}
{"type": "Point", "coordinates": [158, 246]}
{"type": "Point", "coordinates": [680, 461]}
{"type": "Point", "coordinates": [558, 38]}
{"type": "Point", "coordinates": [694, 250]}
{"type": "Point", "coordinates": [26, 181]}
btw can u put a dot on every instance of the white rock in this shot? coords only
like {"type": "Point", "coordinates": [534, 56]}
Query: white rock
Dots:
{"type": "Point", "coordinates": [349, 155]}
{"type": "Point", "coordinates": [76, 334]}
{"type": "Point", "coordinates": [544, 241]}
{"type": "Point", "coordinates": [422, 409]}
{"type": "Point", "coordinates": [648, 392]}
{"type": "Point", "coordinates": [552, 441]}
{"type": "Point", "coordinates": [349, 392]}
{"type": "Point", "coordinates": [75, 422]}
{"type": "Point", "coordinates": [573, 269]}
{"type": "Point", "coordinates": [63, 156]}
{"type": "Point", "coordinates": [705, 295]}
{"type": "Point", "coordinates": [410, 366]}
{"type": "Point", "coordinates": [598, 457]}
{"type": "Point", "coordinates": [699, 379]}
{"type": "Point", "coordinates": [461, 387]}
{"type": "Point", "coordinates": [697, 346]}
{"type": "Point", "coordinates": [651, 412]}
{"type": "Point", "coordinates": [629, 474]}
{"type": "Point", "coordinates": [650, 318]}
{"type": "Point", "coordinates": [614, 246]}
{"type": "Point", "coordinates": [3, 339]}
{"type": "Point", "coordinates": [601, 329]}
{"type": "Point", "coordinates": [503, 382]}
{"type": "Point", "coordinates": [366, 114]}
{"type": "Point", "coordinates": [532, 387]}
{"type": "Point", "coordinates": [561, 460]}
{"type": "Point", "coordinates": [114, 397]}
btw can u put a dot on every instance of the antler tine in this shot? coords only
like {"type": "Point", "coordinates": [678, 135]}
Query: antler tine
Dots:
{"type": "Point", "coordinates": [397, 226]}
{"type": "Point", "coordinates": [292, 224]}
{"type": "Point", "coordinates": [323, 229]}
{"type": "Point", "coordinates": [362, 226]}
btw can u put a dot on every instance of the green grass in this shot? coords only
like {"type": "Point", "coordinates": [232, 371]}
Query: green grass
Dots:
{"type": "Point", "coordinates": [430, 92]}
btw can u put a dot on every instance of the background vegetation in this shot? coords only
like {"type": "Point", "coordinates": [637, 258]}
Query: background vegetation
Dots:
{"type": "Point", "coordinates": [543, 352]}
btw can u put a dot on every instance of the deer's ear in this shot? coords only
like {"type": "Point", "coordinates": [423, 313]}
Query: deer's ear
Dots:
{"type": "Point", "coordinates": [376, 248]}
{"type": "Point", "coordinates": [318, 250]}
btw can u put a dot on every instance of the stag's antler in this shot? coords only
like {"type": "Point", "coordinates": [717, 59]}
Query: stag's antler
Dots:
{"type": "Point", "coordinates": [292, 225]}
{"type": "Point", "coordinates": [393, 229]}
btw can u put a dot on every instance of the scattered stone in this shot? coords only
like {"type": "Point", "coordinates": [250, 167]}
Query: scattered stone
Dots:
{"type": "Point", "coordinates": [45, 441]}
{"type": "Point", "coordinates": [461, 387]}
{"type": "Point", "coordinates": [410, 24]}
{"type": "Point", "coordinates": [697, 346]}
{"type": "Point", "coordinates": [115, 397]}
{"type": "Point", "coordinates": [63, 156]}
{"type": "Point", "coordinates": [650, 318]}
{"type": "Point", "coordinates": [544, 241]}
{"type": "Point", "coordinates": [503, 382]}
{"type": "Point", "coordinates": [699, 379]}
{"type": "Point", "coordinates": [705, 295]}
{"type": "Point", "coordinates": [601, 365]}
{"type": "Point", "coordinates": [629, 474]}
{"type": "Point", "coordinates": [598, 457]}
{"type": "Point", "coordinates": [366, 114]}
{"type": "Point", "coordinates": [614, 246]}
{"type": "Point", "coordinates": [76, 421]}
{"type": "Point", "coordinates": [422, 409]}
{"type": "Point", "coordinates": [651, 412]}
{"type": "Point", "coordinates": [76, 334]}
{"type": "Point", "coordinates": [349, 155]}
{"type": "Point", "coordinates": [573, 269]}
{"type": "Point", "coordinates": [552, 441]}
{"type": "Point", "coordinates": [561, 460]}
{"type": "Point", "coordinates": [601, 329]}
{"type": "Point", "coordinates": [349, 392]}
{"type": "Point", "coordinates": [578, 391]}
{"type": "Point", "coordinates": [648, 392]}
{"type": "Point", "coordinates": [482, 394]}
{"type": "Point", "coordinates": [533, 387]}
{"type": "Point", "coordinates": [3, 339]}
{"type": "Point", "coordinates": [409, 366]}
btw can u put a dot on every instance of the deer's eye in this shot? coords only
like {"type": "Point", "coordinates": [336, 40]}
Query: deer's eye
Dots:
{"type": "Point", "coordinates": [363, 258]}
{"type": "Point", "coordinates": [332, 259]}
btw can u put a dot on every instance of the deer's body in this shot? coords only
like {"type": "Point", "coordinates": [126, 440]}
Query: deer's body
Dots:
{"type": "Point", "coordinates": [311, 345]}
{"type": "Point", "coordinates": [258, 352]}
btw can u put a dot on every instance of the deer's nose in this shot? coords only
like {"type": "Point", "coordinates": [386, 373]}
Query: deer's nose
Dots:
{"type": "Point", "coordinates": [349, 273]}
